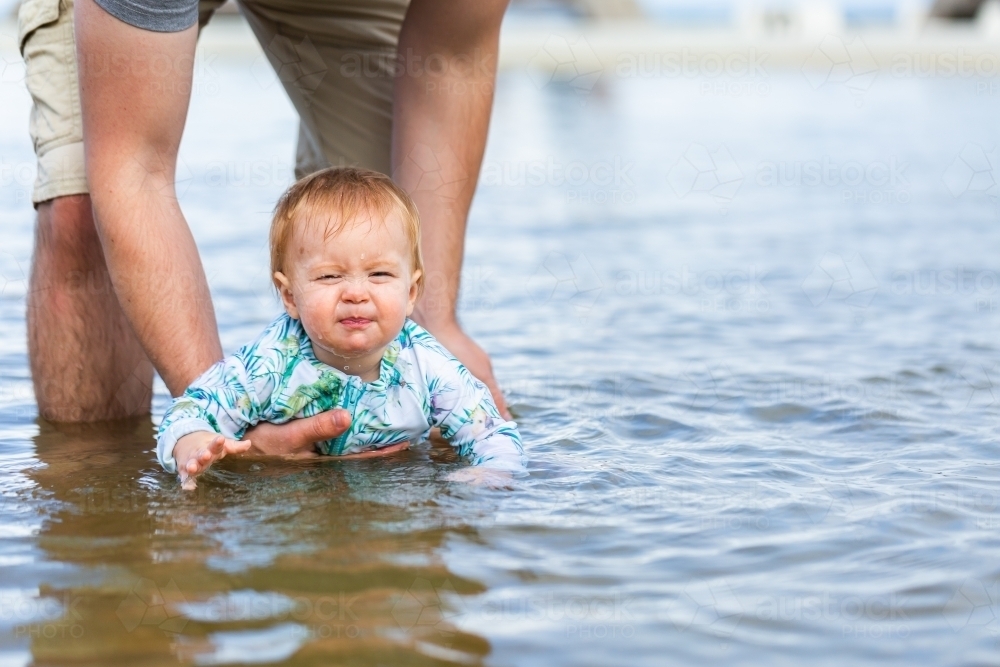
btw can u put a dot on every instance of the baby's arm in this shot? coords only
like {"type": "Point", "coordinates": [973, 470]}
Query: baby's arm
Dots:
{"type": "Point", "coordinates": [463, 408]}
{"type": "Point", "coordinates": [205, 423]}
{"type": "Point", "coordinates": [486, 438]}
{"type": "Point", "coordinates": [195, 452]}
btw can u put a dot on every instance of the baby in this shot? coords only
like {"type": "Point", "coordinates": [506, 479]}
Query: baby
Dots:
{"type": "Point", "coordinates": [345, 258]}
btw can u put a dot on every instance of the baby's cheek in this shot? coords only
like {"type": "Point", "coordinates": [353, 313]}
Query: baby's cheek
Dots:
{"type": "Point", "coordinates": [393, 308]}
{"type": "Point", "coordinates": [316, 318]}
{"type": "Point", "coordinates": [398, 295]}
{"type": "Point", "coordinates": [320, 302]}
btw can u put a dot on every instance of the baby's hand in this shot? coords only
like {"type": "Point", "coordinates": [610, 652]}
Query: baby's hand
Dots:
{"type": "Point", "coordinates": [479, 476]}
{"type": "Point", "coordinates": [196, 452]}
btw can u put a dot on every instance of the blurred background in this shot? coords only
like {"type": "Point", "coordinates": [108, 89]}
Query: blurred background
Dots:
{"type": "Point", "coordinates": [736, 265]}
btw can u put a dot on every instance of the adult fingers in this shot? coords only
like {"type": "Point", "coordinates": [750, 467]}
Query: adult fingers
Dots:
{"type": "Point", "coordinates": [324, 426]}
{"type": "Point", "coordinates": [383, 451]}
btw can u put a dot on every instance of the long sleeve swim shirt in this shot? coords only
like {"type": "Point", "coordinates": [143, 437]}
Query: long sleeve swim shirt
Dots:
{"type": "Point", "coordinates": [278, 378]}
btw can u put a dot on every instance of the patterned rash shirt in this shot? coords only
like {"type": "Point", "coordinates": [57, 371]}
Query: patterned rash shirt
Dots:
{"type": "Point", "coordinates": [278, 378]}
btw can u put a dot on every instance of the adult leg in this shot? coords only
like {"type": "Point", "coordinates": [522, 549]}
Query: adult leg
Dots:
{"type": "Point", "coordinates": [86, 362]}
{"type": "Point", "coordinates": [441, 113]}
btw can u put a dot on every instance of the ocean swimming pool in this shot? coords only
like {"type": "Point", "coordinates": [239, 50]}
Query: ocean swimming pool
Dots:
{"type": "Point", "coordinates": [748, 333]}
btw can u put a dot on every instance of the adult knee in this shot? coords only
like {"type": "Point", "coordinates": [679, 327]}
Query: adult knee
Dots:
{"type": "Point", "coordinates": [66, 230]}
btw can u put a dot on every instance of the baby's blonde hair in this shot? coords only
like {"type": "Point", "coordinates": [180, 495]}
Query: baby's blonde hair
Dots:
{"type": "Point", "coordinates": [339, 195]}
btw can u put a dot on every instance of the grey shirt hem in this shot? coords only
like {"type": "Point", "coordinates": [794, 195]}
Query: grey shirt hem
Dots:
{"type": "Point", "coordinates": [155, 15]}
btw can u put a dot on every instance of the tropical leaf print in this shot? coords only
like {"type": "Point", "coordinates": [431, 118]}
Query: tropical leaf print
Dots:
{"type": "Point", "coordinates": [278, 378]}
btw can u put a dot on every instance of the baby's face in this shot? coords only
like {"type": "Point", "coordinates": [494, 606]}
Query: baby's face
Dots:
{"type": "Point", "coordinates": [353, 290]}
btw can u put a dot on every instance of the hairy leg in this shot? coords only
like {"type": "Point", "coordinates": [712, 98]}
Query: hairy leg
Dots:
{"type": "Point", "coordinates": [86, 363]}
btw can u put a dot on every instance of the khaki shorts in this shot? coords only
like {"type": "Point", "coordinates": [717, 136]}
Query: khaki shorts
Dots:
{"type": "Point", "coordinates": [334, 58]}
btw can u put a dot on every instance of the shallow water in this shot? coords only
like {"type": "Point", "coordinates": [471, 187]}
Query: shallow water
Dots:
{"type": "Point", "coordinates": [762, 420]}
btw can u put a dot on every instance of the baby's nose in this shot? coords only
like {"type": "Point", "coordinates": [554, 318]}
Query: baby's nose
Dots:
{"type": "Point", "coordinates": [355, 289]}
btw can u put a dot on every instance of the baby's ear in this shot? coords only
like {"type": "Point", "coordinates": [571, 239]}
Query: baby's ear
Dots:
{"type": "Point", "coordinates": [414, 290]}
{"type": "Point", "coordinates": [284, 287]}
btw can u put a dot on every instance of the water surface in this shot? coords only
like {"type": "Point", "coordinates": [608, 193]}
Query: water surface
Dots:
{"type": "Point", "coordinates": [761, 408]}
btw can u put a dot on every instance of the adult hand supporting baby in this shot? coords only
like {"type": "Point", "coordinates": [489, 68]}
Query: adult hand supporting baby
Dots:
{"type": "Point", "coordinates": [195, 453]}
{"type": "Point", "coordinates": [296, 438]}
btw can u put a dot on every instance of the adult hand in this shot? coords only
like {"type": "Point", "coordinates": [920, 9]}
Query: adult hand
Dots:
{"type": "Point", "coordinates": [472, 357]}
{"type": "Point", "coordinates": [485, 477]}
{"type": "Point", "coordinates": [296, 439]}
{"type": "Point", "coordinates": [384, 451]}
